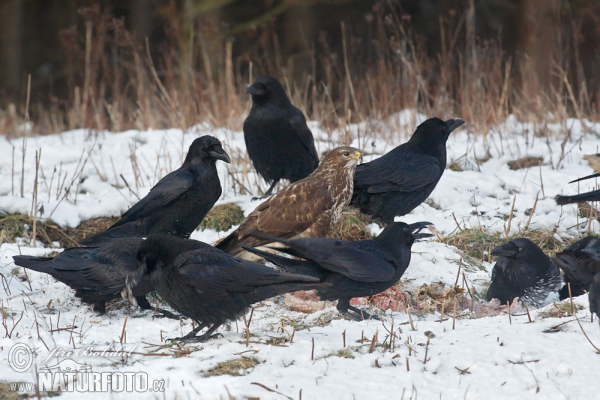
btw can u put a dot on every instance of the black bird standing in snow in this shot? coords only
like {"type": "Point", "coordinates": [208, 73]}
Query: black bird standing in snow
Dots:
{"type": "Point", "coordinates": [523, 271]}
{"type": "Point", "coordinates": [208, 285]}
{"type": "Point", "coordinates": [594, 195]}
{"type": "Point", "coordinates": [594, 296]}
{"type": "Point", "coordinates": [579, 263]}
{"type": "Point", "coordinates": [178, 202]}
{"type": "Point", "coordinates": [97, 273]}
{"type": "Point", "coordinates": [394, 184]}
{"type": "Point", "coordinates": [354, 269]}
{"type": "Point", "coordinates": [278, 140]}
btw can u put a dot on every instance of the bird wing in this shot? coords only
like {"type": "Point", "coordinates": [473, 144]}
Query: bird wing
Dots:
{"type": "Point", "coordinates": [404, 172]}
{"type": "Point", "coordinates": [360, 261]}
{"type": "Point", "coordinates": [298, 122]}
{"type": "Point", "coordinates": [215, 273]}
{"type": "Point", "coordinates": [165, 191]}
{"type": "Point", "coordinates": [291, 211]}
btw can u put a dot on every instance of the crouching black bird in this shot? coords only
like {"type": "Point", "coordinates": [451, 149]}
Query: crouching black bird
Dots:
{"type": "Point", "coordinates": [396, 183]}
{"type": "Point", "coordinates": [278, 140]}
{"type": "Point", "coordinates": [523, 271]}
{"type": "Point", "coordinates": [354, 269]}
{"type": "Point", "coordinates": [579, 263]}
{"type": "Point", "coordinates": [97, 273]}
{"type": "Point", "coordinates": [594, 296]}
{"type": "Point", "coordinates": [594, 195]}
{"type": "Point", "coordinates": [208, 285]}
{"type": "Point", "coordinates": [179, 201]}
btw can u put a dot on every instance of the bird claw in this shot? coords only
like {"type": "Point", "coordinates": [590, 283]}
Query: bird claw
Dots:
{"type": "Point", "coordinates": [261, 197]}
{"type": "Point", "coordinates": [357, 314]}
{"type": "Point", "coordinates": [160, 313]}
{"type": "Point", "coordinates": [195, 339]}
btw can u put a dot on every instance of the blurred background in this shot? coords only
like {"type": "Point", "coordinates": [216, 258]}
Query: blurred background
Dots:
{"type": "Point", "coordinates": [121, 64]}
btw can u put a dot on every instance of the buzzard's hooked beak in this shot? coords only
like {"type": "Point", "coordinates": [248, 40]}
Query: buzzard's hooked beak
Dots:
{"type": "Point", "coordinates": [506, 250]}
{"type": "Point", "coordinates": [220, 154]}
{"type": "Point", "coordinates": [357, 156]}
{"type": "Point", "coordinates": [417, 226]}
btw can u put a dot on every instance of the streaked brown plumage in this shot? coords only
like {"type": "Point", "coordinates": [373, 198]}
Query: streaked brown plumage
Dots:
{"type": "Point", "coordinates": [307, 208]}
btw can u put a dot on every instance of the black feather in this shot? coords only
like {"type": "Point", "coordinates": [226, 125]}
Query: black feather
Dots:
{"type": "Point", "coordinates": [579, 263]}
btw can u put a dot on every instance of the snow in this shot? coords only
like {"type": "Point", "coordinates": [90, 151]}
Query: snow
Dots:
{"type": "Point", "coordinates": [80, 178]}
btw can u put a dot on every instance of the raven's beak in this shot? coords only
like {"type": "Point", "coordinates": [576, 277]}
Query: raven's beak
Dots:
{"type": "Point", "coordinates": [586, 177]}
{"type": "Point", "coordinates": [506, 250]}
{"type": "Point", "coordinates": [257, 89]}
{"type": "Point", "coordinates": [453, 123]}
{"type": "Point", "coordinates": [416, 227]}
{"type": "Point", "coordinates": [220, 154]}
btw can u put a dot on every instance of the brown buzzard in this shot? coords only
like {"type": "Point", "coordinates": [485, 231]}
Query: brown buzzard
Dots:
{"type": "Point", "coordinates": [307, 208]}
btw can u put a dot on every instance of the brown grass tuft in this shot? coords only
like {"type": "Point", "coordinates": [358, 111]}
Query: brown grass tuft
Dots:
{"type": "Point", "coordinates": [223, 217]}
{"type": "Point", "coordinates": [235, 367]}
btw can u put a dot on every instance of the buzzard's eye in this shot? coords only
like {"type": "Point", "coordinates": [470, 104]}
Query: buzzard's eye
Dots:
{"type": "Point", "coordinates": [346, 153]}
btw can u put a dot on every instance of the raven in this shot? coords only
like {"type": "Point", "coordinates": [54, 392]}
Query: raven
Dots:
{"type": "Point", "coordinates": [594, 195]}
{"type": "Point", "coordinates": [579, 263]}
{"type": "Point", "coordinates": [307, 208]}
{"type": "Point", "coordinates": [278, 140]}
{"type": "Point", "coordinates": [97, 273]}
{"type": "Point", "coordinates": [354, 269]}
{"type": "Point", "coordinates": [594, 296]}
{"type": "Point", "coordinates": [178, 202]}
{"type": "Point", "coordinates": [394, 184]}
{"type": "Point", "coordinates": [208, 285]}
{"type": "Point", "coordinates": [524, 271]}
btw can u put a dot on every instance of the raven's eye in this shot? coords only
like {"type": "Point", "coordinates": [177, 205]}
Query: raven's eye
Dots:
{"type": "Point", "coordinates": [520, 249]}
{"type": "Point", "coordinates": [346, 153]}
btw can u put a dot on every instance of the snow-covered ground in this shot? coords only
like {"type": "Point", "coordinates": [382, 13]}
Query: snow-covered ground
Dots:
{"type": "Point", "coordinates": [80, 178]}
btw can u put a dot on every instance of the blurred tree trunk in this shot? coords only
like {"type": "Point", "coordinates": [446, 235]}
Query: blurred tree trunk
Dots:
{"type": "Point", "coordinates": [12, 49]}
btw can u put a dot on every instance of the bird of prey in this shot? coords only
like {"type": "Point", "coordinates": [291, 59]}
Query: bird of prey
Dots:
{"type": "Point", "coordinates": [178, 202]}
{"type": "Point", "coordinates": [307, 208]}
{"type": "Point", "coordinates": [394, 184]}
{"type": "Point", "coordinates": [523, 271]}
{"type": "Point", "coordinates": [278, 140]}
{"type": "Point", "coordinates": [579, 263]}
{"type": "Point", "coordinates": [208, 285]}
{"type": "Point", "coordinates": [594, 195]}
{"type": "Point", "coordinates": [354, 269]}
{"type": "Point", "coordinates": [97, 273]}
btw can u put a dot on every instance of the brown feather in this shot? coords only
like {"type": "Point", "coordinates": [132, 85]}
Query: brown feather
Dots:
{"type": "Point", "coordinates": [307, 208]}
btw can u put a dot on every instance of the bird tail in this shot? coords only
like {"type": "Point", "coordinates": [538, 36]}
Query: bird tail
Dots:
{"type": "Point", "coordinates": [39, 264]}
{"type": "Point", "coordinates": [291, 265]}
{"type": "Point", "coordinates": [594, 195]}
{"type": "Point", "coordinates": [266, 292]}
{"type": "Point", "coordinates": [230, 244]}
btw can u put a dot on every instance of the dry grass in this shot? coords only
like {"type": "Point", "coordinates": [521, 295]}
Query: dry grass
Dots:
{"type": "Point", "coordinates": [116, 84]}
{"type": "Point", "coordinates": [223, 217]}
{"type": "Point", "coordinates": [48, 232]}
{"type": "Point", "coordinates": [476, 244]}
{"type": "Point", "coordinates": [559, 310]}
{"type": "Point", "coordinates": [236, 367]}
{"type": "Point", "coordinates": [352, 226]}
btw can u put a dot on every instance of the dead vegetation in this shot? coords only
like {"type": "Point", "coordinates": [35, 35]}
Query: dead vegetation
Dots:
{"type": "Point", "coordinates": [223, 217]}
{"type": "Point", "coordinates": [236, 367]}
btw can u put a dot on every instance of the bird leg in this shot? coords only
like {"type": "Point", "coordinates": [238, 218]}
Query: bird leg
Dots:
{"type": "Point", "coordinates": [362, 314]}
{"type": "Point", "coordinates": [268, 192]}
{"type": "Point", "coordinates": [145, 305]}
{"type": "Point", "coordinates": [357, 314]}
{"type": "Point", "coordinates": [192, 338]}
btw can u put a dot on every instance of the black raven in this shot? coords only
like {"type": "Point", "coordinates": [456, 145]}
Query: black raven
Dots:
{"type": "Point", "coordinates": [594, 296]}
{"type": "Point", "coordinates": [178, 202]}
{"type": "Point", "coordinates": [97, 273]}
{"type": "Point", "coordinates": [579, 263]}
{"type": "Point", "coordinates": [394, 184]}
{"type": "Point", "coordinates": [524, 271]}
{"type": "Point", "coordinates": [208, 285]}
{"type": "Point", "coordinates": [594, 195]}
{"type": "Point", "coordinates": [278, 140]}
{"type": "Point", "coordinates": [354, 269]}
